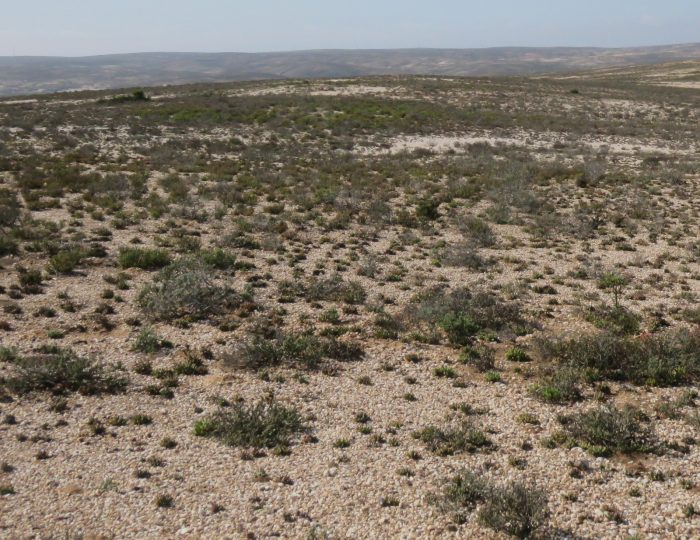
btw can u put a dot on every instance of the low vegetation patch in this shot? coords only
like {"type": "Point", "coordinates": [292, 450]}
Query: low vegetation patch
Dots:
{"type": "Point", "coordinates": [452, 440]}
{"type": "Point", "coordinates": [666, 358]}
{"type": "Point", "coordinates": [144, 258]}
{"type": "Point", "coordinates": [302, 349]}
{"type": "Point", "coordinates": [266, 424]}
{"type": "Point", "coordinates": [608, 430]}
{"type": "Point", "coordinates": [63, 371]}
{"type": "Point", "coordinates": [186, 289]}
{"type": "Point", "coordinates": [514, 508]}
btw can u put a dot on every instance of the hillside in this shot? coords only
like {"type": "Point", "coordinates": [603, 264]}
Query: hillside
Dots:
{"type": "Point", "coordinates": [371, 307]}
{"type": "Point", "coordinates": [30, 75]}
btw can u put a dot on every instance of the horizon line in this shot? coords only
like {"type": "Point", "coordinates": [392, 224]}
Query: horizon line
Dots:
{"type": "Point", "coordinates": [371, 49]}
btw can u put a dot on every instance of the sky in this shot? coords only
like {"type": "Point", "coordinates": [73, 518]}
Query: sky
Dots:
{"type": "Point", "coordinates": [88, 27]}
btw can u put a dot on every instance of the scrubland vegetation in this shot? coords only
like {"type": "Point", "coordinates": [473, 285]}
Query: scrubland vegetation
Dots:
{"type": "Point", "coordinates": [385, 307]}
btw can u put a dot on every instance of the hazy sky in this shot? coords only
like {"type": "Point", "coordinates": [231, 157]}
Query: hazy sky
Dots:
{"type": "Point", "coordinates": [83, 27]}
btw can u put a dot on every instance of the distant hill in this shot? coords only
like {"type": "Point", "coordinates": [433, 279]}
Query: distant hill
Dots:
{"type": "Point", "coordinates": [32, 74]}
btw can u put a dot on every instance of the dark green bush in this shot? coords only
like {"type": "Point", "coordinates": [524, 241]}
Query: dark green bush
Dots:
{"type": "Point", "coordinates": [65, 261]}
{"type": "Point", "coordinates": [149, 342]}
{"type": "Point", "coordinates": [560, 387]}
{"type": "Point", "coordinates": [427, 209]}
{"type": "Point", "coordinates": [218, 258]}
{"type": "Point", "coordinates": [463, 312]}
{"type": "Point", "coordinates": [10, 208]}
{"type": "Point", "coordinates": [145, 258]}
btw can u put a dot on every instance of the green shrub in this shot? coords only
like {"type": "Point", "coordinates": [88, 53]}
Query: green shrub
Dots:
{"type": "Point", "coordinates": [516, 509]}
{"type": "Point", "coordinates": [459, 327]}
{"type": "Point", "coordinates": [607, 430]}
{"type": "Point", "coordinates": [144, 258]}
{"type": "Point", "coordinates": [614, 283]}
{"type": "Point", "coordinates": [64, 262]}
{"type": "Point", "coordinates": [10, 208]}
{"type": "Point", "coordinates": [297, 349]}
{"type": "Point", "coordinates": [148, 341]}
{"type": "Point", "coordinates": [427, 210]}
{"type": "Point", "coordinates": [477, 231]}
{"type": "Point", "coordinates": [516, 354]}
{"type": "Point", "coordinates": [264, 425]}
{"type": "Point", "coordinates": [618, 320]}
{"type": "Point", "coordinates": [218, 258]}
{"type": "Point", "coordinates": [185, 288]}
{"type": "Point", "coordinates": [7, 246]}
{"type": "Point", "coordinates": [666, 358]}
{"type": "Point", "coordinates": [335, 289]}
{"type": "Point", "coordinates": [463, 312]}
{"type": "Point", "coordinates": [63, 371]}
{"type": "Point", "coordinates": [561, 387]}
{"type": "Point", "coordinates": [192, 364]}
{"type": "Point", "coordinates": [462, 438]}
{"type": "Point", "coordinates": [462, 494]}
{"type": "Point", "coordinates": [481, 357]}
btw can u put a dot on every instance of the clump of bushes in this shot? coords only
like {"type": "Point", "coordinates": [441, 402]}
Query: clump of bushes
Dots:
{"type": "Point", "coordinates": [514, 508]}
{"type": "Point", "coordinates": [463, 313]}
{"type": "Point", "coordinates": [266, 424]}
{"type": "Point", "coordinates": [453, 440]}
{"type": "Point", "coordinates": [335, 289]}
{"type": "Point", "coordinates": [607, 430]}
{"type": "Point", "coordinates": [185, 289]}
{"type": "Point", "coordinates": [562, 386]}
{"type": "Point", "coordinates": [297, 349]}
{"type": "Point", "coordinates": [62, 371]}
{"type": "Point", "coordinates": [666, 358]}
{"type": "Point", "coordinates": [65, 261]}
{"type": "Point", "coordinates": [144, 258]}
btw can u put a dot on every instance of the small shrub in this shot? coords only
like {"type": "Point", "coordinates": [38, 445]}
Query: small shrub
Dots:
{"type": "Point", "coordinates": [165, 501]}
{"type": "Point", "coordinates": [607, 430]}
{"type": "Point", "coordinates": [516, 509]}
{"type": "Point", "coordinates": [64, 371]}
{"type": "Point", "coordinates": [453, 440]}
{"type": "Point", "coordinates": [144, 258]}
{"type": "Point", "coordinates": [264, 425]}
{"type": "Point", "coordinates": [298, 349]}
{"type": "Point", "coordinates": [427, 210]}
{"type": "Point", "coordinates": [561, 387]}
{"type": "Point", "coordinates": [218, 258]}
{"type": "Point", "coordinates": [459, 327]}
{"type": "Point", "coordinates": [481, 357]}
{"type": "Point", "coordinates": [666, 358]}
{"type": "Point", "coordinates": [192, 364]}
{"type": "Point", "coordinates": [516, 354]}
{"type": "Point", "coordinates": [64, 262]}
{"type": "Point", "coordinates": [148, 342]}
{"type": "Point", "coordinates": [335, 289]}
{"type": "Point", "coordinates": [185, 289]}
